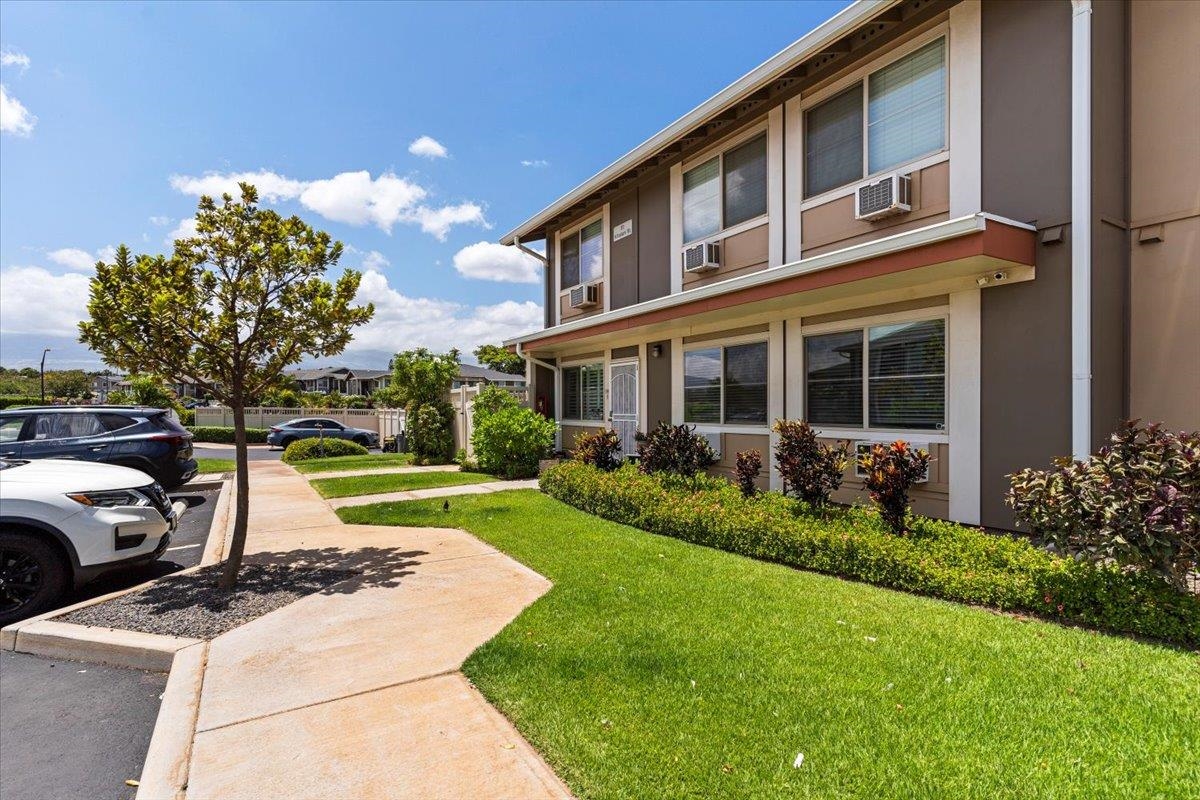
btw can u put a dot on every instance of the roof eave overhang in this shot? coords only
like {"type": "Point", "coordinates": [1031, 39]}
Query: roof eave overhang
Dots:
{"type": "Point", "coordinates": [966, 241]}
{"type": "Point", "coordinates": [846, 20]}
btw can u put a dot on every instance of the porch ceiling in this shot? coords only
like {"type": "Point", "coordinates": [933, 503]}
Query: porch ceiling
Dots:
{"type": "Point", "coordinates": [949, 256]}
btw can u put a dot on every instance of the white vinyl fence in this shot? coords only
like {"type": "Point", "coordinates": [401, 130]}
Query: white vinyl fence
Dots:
{"type": "Point", "coordinates": [386, 421]}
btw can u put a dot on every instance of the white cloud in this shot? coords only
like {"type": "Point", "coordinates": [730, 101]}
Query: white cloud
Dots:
{"type": "Point", "coordinates": [489, 261]}
{"type": "Point", "coordinates": [37, 301]}
{"type": "Point", "coordinates": [14, 117]}
{"type": "Point", "coordinates": [354, 198]}
{"type": "Point", "coordinates": [375, 260]}
{"type": "Point", "coordinates": [357, 199]}
{"type": "Point", "coordinates": [107, 254]}
{"type": "Point", "coordinates": [186, 229]}
{"type": "Point", "coordinates": [11, 58]}
{"type": "Point", "coordinates": [428, 147]}
{"type": "Point", "coordinates": [536, 163]}
{"type": "Point", "coordinates": [402, 322]}
{"type": "Point", "coordinates": [437, 221]}
{"type": "Point", "coordinates": [271, 186]}
{"type": "Point", "coordinates": [161, 222]}
{"type": "Point", "coordinates": [72, 257]}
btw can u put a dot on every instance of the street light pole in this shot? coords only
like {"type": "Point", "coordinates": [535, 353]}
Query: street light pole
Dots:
{"type": "Point", "coordinates": [43, 374]}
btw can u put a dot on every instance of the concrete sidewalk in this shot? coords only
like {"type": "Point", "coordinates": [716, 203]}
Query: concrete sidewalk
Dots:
{"type": "Point", "coordinates": [355, 691]}
{"type": "Point", "coordinates": [437, 491]}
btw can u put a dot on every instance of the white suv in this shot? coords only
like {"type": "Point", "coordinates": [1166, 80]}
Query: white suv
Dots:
{"type": "Point", "coordinates": [65, 522]}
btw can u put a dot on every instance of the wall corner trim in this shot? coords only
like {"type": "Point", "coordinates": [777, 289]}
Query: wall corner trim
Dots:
{"type": "Point", "coordinates": [1081, 228]}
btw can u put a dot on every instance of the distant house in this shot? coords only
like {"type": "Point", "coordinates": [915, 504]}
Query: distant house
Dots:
{"type": "Point", "coordinates": [184, 388]}
{"type": "Point", "coordinates": [343, 380]}
{"type": "Point", "coordinates": [474, 375]}
{"type": "Point", "coordinates": [102, 385]}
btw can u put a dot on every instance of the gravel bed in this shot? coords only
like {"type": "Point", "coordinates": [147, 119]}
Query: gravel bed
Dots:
{"type": "Point", "coordinates": [192, 605]}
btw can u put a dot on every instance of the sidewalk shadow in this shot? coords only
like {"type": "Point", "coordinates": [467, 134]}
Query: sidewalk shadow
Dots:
{"type": "Point", "coordinates": [363, 567]}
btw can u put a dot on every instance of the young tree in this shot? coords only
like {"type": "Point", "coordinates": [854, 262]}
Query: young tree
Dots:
{"type": "Point", "coordinates": [69, 384]}
{"type": "Point", "coordinates": [231, 308]}
{"type": "Point", "coordinates": [499, 358]}
{"type": "Point", "coordinates": [420, 383]}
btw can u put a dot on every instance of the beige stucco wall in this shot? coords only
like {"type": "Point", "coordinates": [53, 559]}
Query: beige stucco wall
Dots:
{"type": "Point", "coordinates": [931, 499]}
{"type": "Point", "coordinates": [734, 443]}
{"type": "Point", "coordinates": [1164, 363]}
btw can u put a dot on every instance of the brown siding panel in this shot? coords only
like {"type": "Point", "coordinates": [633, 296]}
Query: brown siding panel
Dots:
{"type": "Point", "coordinates": [623, 254]}
{"type": "Point", "coordinates": [653, 229]}
{"type": "Point", "coordinates": [658, 385]}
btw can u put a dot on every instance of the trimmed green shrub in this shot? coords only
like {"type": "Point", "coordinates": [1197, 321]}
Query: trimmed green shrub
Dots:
{"type": "Point", "coordinates": [601, 449]}
{"type": "Point", "coordinates": [891, 470]}
{"type": "Point", "coordinates": [10, 400]}
{"type": "Point", "coordinates": [187, 416]}
{"type": "Point", "coordinates": [937, 558]}
{"type": "Point", "coordinates": [810, 469]}
{"type": "Point", "coordinates": [490, 400]}
{"type": "Point", "coordinates": [676, 449]}
{"type": "Point", "coordinates": [219, 435]}
{"type": "Point", "coordinates": [1136, 502]}
{"type": "Point", "coordinates": [749, 467]}
{"type": "Point", "coordinates": [309, 449]}
{"type": "Point", "coordinates": [510, 442]}
{"type": "Point", "coordinates": [428, 433]}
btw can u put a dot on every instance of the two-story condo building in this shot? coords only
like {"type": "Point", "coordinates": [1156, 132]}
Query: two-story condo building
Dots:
{"type": "Point", "coordinates": [971, 225]}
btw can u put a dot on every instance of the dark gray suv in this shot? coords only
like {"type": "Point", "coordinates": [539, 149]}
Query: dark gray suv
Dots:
{"type": "Point", "coordinates": [147, 439]}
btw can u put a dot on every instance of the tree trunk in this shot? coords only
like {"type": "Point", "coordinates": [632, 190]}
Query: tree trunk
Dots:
{"type": "Point", "coordinates": [241, 514]}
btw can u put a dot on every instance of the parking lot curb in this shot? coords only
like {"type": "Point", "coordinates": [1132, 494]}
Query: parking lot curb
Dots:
{"type": "Point", "coordinates": [165, 774]}
{"type": "Point", "coordinates": [112, 646]}
{"type": "Point", "coordinates": [221, 529]}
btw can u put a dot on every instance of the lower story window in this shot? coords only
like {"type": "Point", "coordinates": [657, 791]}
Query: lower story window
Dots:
{"type": "Point", "coordinates": [726, 384]}
{"type": "Point", "coordinates": [902, 386]}
{"type": "Point", "coordinates": [583, 392]}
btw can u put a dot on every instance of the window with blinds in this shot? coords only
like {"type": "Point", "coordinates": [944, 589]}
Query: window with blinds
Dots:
{"type": "Point", "coordinates": [726, 384]}
{"type": "Point", "coordinates": [726, 190]}
{"type": "Point", "coordinates": [885, 376]}
{"type": "Point", "coordinates": [583, 392]}
{"type": "Point", "coordinates": [900, 117]}
{"type": "Point", "coordinates": [581, 256]}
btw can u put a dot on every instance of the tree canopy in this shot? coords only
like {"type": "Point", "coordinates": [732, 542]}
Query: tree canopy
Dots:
{"type": "Point", "coordinates": [500, 358]}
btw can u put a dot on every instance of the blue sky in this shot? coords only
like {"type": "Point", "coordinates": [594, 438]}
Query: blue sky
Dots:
{"type": "Point", "coordinates": [115, 116]}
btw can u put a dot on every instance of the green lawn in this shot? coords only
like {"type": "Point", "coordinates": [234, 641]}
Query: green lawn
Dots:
{"type": "Point", "coordinates": [377, 461]}
{"type": "Point", "coordinates": [657, 668]}
{"type": "Point", "coordinates": [395, 482]}
{"type": "Point", "coordinates": [211, 465]}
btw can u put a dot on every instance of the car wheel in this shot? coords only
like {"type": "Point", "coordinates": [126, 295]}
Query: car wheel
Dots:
{"type": "Point", "coordinates": [283, 443]}
{"type": "Point", "coordinates": [364, 441]}
{"type": "Point", "coordinates": [32, 576]}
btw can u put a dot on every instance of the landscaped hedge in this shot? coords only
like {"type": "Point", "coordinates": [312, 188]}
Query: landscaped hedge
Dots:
{"type": "Point", "coordinates": [219, 435]}
{"type": "Point", "coordinates": [10, 400]}
{"type": "Point", "coordinates": [937, 558]}
{"type": "Point", "coordinates": [309, 449]}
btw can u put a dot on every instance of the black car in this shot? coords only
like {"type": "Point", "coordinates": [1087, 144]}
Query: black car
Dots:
{"type": "Point", "coordinates": [147, 439]}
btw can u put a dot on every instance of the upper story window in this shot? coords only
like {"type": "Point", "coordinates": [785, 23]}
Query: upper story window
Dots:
{"type": "Point", "coordinates": [904, 109]}
{"type": "Point", "coordinates": [726, 384]}
{"type": "Point", "coordinates": [583, 392]}
{"type": "Point", "coordinates": [582, 255]}
{"type": "Point", "coordinates": [904, 383]}
{"type": "Point", "coordinates": [726, 190]}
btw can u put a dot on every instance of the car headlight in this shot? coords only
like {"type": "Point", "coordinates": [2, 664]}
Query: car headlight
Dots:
{"type": "Point", "coordinates": [120, 497]}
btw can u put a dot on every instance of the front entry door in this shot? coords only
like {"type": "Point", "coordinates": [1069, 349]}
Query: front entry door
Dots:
{"type": "Point", "coordinates": [623, 404]}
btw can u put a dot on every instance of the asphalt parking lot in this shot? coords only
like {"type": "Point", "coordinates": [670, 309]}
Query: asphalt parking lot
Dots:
{"type": "Point", "coordinates": [254, 452]}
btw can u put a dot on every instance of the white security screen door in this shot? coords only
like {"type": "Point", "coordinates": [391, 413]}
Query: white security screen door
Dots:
{"type": "Point", "coordinates": [623, 408]}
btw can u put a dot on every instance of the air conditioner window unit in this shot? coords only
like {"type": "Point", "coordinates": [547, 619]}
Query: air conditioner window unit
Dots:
{"type": "Point", "coordinates": [702, 257]}
{"type": "Point", "coordinates": [585, 295]}
{"type": "Point", "coordinates": [885, 197]}
{"type": "Point", "coordinates": [863, 446]}
{"type": "Point", "coordinates": [714, 441]}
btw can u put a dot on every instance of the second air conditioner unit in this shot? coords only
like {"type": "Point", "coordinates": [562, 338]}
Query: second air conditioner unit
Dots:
{"type": "Point", "coordinates": [702, 257]}
{"type": "Point", "coordinates": [585, 296]}
{"type": "Point", "coordinates": [885, 197]}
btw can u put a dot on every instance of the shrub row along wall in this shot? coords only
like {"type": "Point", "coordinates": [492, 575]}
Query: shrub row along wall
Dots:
{"type": "Point", "coordinates": [938, 558]}
{"type": "Point", "coordinates": [221, 435]}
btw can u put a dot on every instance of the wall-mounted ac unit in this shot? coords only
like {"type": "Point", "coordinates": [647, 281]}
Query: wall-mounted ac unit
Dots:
{"type": "Point", "coordinates": [585, 296]}
{"type": "Point", "coordinates": [702, 257]}
{"type": "Point", "coordinates": [714, 441]}
{"type": "Point", "coordinates": [883, 198]}
{"type": "Point", "coordinates": [863, 446]}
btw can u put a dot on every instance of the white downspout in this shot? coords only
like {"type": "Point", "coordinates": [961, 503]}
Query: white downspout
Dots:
{"type": "Point", "coordinates": [1081, 228]}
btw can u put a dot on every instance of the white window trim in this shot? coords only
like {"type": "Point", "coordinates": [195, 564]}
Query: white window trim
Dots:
{"type": "Point", "coordinates": [862, 324]}
{"type": "Point", "coordinates": [718, 151]}
{"type": "Point", "coordinates": [561, 394]}
{"type": "Point", "coordinates": [762, 337]}
{"type": "Point", "coordinates": [559, 290]}
{"type": "Point", "coordinates": [861, 75]}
